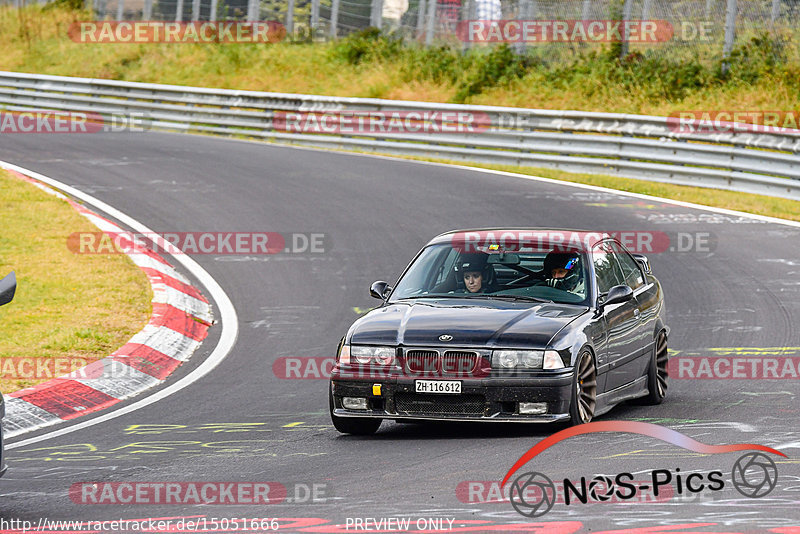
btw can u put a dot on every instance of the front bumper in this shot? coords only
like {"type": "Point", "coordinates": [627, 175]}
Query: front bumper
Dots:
{"type": "Point", "coordinates": [481, 399]}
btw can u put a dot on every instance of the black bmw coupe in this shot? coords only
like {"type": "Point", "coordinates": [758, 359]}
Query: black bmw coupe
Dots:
{"type": "Point", "coordinates": [522, 325]}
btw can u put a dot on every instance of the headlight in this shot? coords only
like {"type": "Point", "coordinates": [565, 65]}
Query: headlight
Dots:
{"type": "Point", "coordinates": [377, 355]}
{"type": "Point", "coordinates": [509, 359]}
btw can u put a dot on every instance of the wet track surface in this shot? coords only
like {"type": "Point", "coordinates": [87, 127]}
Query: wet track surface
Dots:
{"type": "Point", "coordinates": [243, 423]}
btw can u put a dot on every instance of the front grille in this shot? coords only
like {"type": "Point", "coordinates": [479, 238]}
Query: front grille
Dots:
{"type": "Point", "coordinates": [460, 363]}
{"type": "Point", "coordinates": [422, 361]}
{"type": "Point", "coordinates": [421, 404]}
{"type": "Point", "coordinates": [432, 361]}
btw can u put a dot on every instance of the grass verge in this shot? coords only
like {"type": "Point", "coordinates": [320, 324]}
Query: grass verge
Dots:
{"type": "Point", "coordinates": [764, 68]}
{"type": "Point", "coordinates": [69, 308]}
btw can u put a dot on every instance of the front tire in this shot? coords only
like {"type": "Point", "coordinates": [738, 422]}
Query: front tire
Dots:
{"type": "Point", "coordinates": [657, 372]}
{"type": "Point", "coordinates": [584, 390]}
{"type": "Point", "coordinates": [356, 425]}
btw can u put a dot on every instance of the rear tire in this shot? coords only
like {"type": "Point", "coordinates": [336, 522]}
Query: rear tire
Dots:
{"type": "Point", "coordinates": [584, 390]}
{"type": "Point", "coordinates": [657, 372]}
{"type": "Point", "coordinates": [355, 425]}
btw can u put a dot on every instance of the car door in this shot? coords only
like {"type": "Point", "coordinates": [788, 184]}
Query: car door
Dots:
{"type": "Point", "coordinates": [621, 321]}
{"type": "Point", "coordinates": [646, 295]}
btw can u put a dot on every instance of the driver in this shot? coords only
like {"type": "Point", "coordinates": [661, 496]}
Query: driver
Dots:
{"type": "Point", "coordinates": [562, 270]}
{"type": "Point", "coordinates": [474, 270]}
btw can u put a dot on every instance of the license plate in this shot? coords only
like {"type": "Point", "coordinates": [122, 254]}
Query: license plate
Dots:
{"type": "Point", "coordinates": [438, 386]}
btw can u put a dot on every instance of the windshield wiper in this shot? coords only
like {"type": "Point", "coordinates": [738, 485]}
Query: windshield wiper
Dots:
{"type": "Point", "coordinates": [525, 298]}
{"type": "Point", "coordinates": [480, 296]}
{"type": "Point", "coordinates": [433, 296]}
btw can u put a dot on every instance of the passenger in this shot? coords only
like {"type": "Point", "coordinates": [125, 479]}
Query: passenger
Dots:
{"type": "Point", "coordinates": [562, 271]}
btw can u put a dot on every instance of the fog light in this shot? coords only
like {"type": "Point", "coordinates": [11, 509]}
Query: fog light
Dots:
{"type": "Point", "coordinates": [532, 408]}
{"type": "Point", "coordinates": [354, 403]}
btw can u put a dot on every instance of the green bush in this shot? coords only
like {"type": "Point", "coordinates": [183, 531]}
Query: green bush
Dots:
{"type": "Point", "coordinates": [369, 44]}
{"type": "Point", "coordinates": [657, 76]}
{"type": "Point", "coordinates": [71, 5]}
{"type": "Point", "coordinates": [500, 66]}
{"type": "Point", "coordinates": [761, 56]}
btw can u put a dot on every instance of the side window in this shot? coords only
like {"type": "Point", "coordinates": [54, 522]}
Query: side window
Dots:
{"type": "Point", "coordinates": [606, 268]}
{"type": "Point", "coordinates": [630, 269]}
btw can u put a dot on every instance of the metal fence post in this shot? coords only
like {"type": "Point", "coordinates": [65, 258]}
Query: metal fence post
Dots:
{"type": "Point", "coordinates": [730, 34]}
{"type": "Point", "coordinates": [776, 11]}
{"type": "Point", "coordinates": [195, 10]}
{"type": "Point", "coordinates": [179, 11]}
{"type": "Point", "coordinates": [334, 17]}
{"type": "Point", "coordinates": [420, 18]}
{"type": "Point", "coordinates": [253, 10]}
{"type": "Point", "coordinates": [525, 10]}
{"type": "Point", "coordinates": [465, 15]}
{"type": "Point", "coordinates": [290, 19]}
{"type": "Point", "coordinates": [587, 5]}
{"type": "Point", "coordinates": [376, 18]}
{"type": "Point", "coordinates": [314, 18]}
{"type": "Point", "coordinates": [120, 9]}
{"type": "Point", "coordinates": [431, 22]}
{"type": "Point", "coordinates": [147, 12]}
{"type": "Point", "coordinates": [212, 15]}
{"type": "Point", "coordinates": [646, 9]}
{"type": "Point", "coordinates": [626, 16]}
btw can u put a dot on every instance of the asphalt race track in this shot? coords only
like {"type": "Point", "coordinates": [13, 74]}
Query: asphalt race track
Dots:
{"type": "Point", "coordinates": [241, 423]}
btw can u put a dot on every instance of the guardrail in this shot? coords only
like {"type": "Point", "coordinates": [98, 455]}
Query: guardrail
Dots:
{"type": "Point", "coordinates": [634, 146]}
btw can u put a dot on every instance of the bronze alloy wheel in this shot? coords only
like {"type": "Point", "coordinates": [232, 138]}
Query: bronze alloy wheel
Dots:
{"type": "Point", "coordinates": [657, 372]}
{"type": "Point", "coordinates": [584, 400]}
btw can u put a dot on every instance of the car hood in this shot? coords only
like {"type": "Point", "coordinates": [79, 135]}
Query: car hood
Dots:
{"type": "Point", "coordinates": [473, 323]}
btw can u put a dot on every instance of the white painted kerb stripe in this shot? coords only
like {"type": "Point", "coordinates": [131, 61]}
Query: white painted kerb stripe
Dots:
{"type": "Point", "coordinates": [228, 316]}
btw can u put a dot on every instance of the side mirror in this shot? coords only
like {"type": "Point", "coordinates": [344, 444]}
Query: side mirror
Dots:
{"type": "Point", "coordinates": [618, 294]}
{"type": "Point", "coordinates": [642, 260]}
{"type": "Point", "coordinates": [379, 290]}
{"type": "Point", "coordinates": [8, 286]}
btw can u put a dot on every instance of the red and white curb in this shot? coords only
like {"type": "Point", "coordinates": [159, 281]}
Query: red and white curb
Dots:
{"type": "Point", "coordinates": [179, 323]}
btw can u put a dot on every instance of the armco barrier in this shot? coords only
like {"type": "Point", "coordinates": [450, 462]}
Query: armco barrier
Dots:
{"type": "Point", "coordinates": [634, 146]}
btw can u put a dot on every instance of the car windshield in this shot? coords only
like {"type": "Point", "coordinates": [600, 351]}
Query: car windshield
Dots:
{"type": "Point", "coordinates": [492, 272]}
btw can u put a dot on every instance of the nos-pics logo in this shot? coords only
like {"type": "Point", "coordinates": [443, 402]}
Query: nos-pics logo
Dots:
{"type": "Point", "coordinates": [533, 494]}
